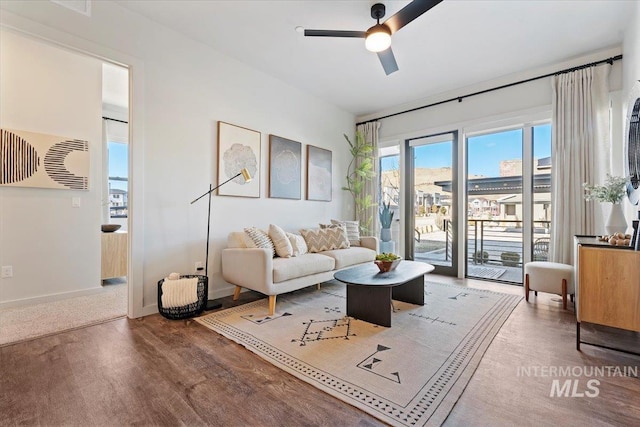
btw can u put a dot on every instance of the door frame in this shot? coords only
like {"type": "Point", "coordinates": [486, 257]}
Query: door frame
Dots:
{"type": "Point", "coordinates": [409, 197]}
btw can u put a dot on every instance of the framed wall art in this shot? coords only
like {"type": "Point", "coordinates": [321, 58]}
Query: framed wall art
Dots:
{"type": "Point", "coordinates": [318, 174]}
{"type": "Point", "coordinates": [285, 163]}
{"type": "Point", "coordinates": [238, 148]}
{"type": "Point", "coordinates": [30, 159]}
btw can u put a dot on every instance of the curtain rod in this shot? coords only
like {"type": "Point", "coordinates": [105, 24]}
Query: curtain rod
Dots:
{"type": "Point", "coordinates": [115, 120]}
{"type": "Point", "coordinates": [460, 98]}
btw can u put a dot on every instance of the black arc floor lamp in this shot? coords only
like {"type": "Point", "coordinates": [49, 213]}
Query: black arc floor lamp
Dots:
{"type": "Point", "coordinates": [211, 304]}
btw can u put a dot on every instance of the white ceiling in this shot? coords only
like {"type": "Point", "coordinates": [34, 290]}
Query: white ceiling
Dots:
{"type": "Point", "coordinates": [455, 44]}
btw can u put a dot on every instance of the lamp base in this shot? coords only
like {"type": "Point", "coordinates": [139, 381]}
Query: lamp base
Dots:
{"type": "Point", "coordinates": [212, 305]}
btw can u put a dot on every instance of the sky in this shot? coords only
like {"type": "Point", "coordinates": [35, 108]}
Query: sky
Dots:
{"type": "Point", "coordinates": [118, 164]}
{"type": "Point", "coordinates": [484, 152]}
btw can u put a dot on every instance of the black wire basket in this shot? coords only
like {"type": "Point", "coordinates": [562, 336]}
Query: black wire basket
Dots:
{"type": "Point", "coordinates": [190, 310]}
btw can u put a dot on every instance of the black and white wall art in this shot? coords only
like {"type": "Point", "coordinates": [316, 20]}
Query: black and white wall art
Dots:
{"type": "Point", "coordinates": [29, 159]}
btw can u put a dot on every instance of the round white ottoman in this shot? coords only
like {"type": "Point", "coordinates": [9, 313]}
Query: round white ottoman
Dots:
{"type": "Point", "coordinates": [550, 277]}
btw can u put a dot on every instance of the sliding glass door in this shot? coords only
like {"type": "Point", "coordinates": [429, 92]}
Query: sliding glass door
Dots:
{"type": "Point", "coordinates": [508, 201]}
{"type": "Point", "coordinates": [430, 201]}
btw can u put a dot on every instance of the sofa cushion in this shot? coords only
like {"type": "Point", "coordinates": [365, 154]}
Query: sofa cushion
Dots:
{"type": "Point", "coordinates": [280, 241]}
{"type": "Point", "coordinates": [300, 266]}
{"type": "Point", "coordinates": [261, 239]}
{"type": "Point", "coordinates": [346, 257]}
{"type": "Point", "coordinates": [298, 244]}
{"type": "Point", "coordinates": [324, 239]}
{"type": "Point", "coordinates": [353, 230]}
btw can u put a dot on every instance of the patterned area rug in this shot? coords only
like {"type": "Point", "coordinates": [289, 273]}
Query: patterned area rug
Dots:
{"type": "Point", "coordinates": [411, 374]}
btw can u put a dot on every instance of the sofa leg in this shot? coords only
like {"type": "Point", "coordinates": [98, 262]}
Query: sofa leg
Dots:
{"type": "Point", "coordinates": [318, 286]}
{"type": "Point", "coordinates": [272, 305]}
{"type": "Point", "coordinates": [526, 287]}
{"type": "Point", "coordinates": [236, 293]}
{"type": "Point", "coordinates": [564, 294]}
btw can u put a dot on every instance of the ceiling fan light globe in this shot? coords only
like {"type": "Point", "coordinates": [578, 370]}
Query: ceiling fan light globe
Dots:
{"type": "Point", "coordinates": [378, 38]}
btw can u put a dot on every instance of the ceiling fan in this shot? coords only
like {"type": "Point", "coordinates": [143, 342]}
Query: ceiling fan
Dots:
{"type": "Point", "coordinates": [378, 37]}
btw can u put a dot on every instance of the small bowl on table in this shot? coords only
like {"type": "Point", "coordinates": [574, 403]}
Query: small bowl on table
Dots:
{"type": "Point", "coordinates": [110, 228]}
{"type": "Point", "coordinates": [387, 266]}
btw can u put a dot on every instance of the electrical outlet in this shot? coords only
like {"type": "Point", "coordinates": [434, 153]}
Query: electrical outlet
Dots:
{"type": "Point", "coordinates": [199, 266]}
{"type": "Point", "coordinates": [7, 271]}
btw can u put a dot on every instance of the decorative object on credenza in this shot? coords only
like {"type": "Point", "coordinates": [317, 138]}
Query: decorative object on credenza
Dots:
{"type": "Point", "coordinates": [617, 239]}
{"type": "Point", "coordinates": [632, 145]}
{"type": "Point", "coordinates": [635, 240]}
{"type": "Point", "coordinates": [44, 161]}
{"type": "Point", "coordinates": [386, 217]}
{"type": "Point", "coordinates": [319, 179]}
{"type": "Point", "coordinates": [238, 149]}
{"type": "Point", "coordinates": [110, 228]}
{"type": "Point", "coordinates": [387, 262]}
{"type": "Point", "coordinates": [285, 163]}
{"type": "Point", "coordinates": [613, 191]}
{"type": "Point", "coordinates": [246, 177]}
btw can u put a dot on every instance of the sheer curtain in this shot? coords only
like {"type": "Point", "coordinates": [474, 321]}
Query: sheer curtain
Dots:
{"type": "Point", "coordinates": [581, 150]}
{"type": "Point", "coordinates": [370, 133]}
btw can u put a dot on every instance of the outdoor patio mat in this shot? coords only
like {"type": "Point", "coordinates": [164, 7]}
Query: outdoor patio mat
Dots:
{"type": "Point", "coordinates": [411, 374]}
{"type": "Point", "coordinates": [485, 272]}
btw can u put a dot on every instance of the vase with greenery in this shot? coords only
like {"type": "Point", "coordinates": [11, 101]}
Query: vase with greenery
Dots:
{"type": "Point", "coordinates": [386, 217]}
{"type": "Point", "coordinates": [613, 191]}
{"type": "Point", "coordinates": [360, 171]}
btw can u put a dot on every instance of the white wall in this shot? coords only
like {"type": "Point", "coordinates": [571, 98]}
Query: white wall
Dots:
{"type": "Point", "coordinates": [631, 76]}
{"type": "Point", "coordinates": [53, 247]}
{"type": "Point", "coordinates": [181, 89]}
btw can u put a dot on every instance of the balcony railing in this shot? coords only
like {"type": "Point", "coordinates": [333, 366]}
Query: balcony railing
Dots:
{"type": "Point", "coordinates": [495, 243]}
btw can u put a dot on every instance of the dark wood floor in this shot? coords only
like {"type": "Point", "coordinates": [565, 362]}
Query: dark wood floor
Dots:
{"type": "Point", "coordinates": [155, 371]}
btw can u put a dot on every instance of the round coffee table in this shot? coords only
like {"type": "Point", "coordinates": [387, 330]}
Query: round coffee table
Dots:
{"type": "Point", "coordinates": [369, 292]}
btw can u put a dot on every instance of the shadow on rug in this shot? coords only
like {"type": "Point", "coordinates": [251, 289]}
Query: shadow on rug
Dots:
{"type": "Point", "coordinates": [411, 374]}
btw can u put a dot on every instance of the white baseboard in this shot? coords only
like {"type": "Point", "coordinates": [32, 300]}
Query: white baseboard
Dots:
{"type": "Point", "coordinates": [223, 292]}
{"type": "Point", "coordinates": [149, 309]}
{"type": "Point", "coordinates": [50, 298]}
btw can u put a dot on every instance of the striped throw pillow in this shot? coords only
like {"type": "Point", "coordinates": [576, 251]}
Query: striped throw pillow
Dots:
{"type": "Point", "coordinates": [353, 230]}
{"type": "Point", "coordinates": [261, 239]}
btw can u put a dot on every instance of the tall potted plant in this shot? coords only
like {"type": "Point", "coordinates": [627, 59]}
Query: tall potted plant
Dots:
{"type": "Point", "coordinates": [386, 216]}
{"type": "Point", "coordinates": [360, 171]}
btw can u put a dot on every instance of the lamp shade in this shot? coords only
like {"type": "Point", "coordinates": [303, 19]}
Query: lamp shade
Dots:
{"type": "Point", "coordinates": [378, 38]}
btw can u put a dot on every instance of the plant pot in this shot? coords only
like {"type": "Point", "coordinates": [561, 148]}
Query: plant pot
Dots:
{"type": "Point", "coordinates": [385, 234]}
{"type": "Point", "coordinates": [616, 223]}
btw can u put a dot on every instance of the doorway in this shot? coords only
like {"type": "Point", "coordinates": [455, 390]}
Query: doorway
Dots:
{"type": "Point", "coordinates": [431, 201]}
{"type": "Point", "coordinates": [115, 183]}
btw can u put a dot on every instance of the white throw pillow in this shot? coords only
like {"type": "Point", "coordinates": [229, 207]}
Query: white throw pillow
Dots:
{"type": "Point", "coordinates": [280, 241]}
{"type": "Point", "coordinates": [298, 244]}
{"type": "Point", "coordinates": [261, 239]}
{"type": "Point", "coordinates": [353, 230]}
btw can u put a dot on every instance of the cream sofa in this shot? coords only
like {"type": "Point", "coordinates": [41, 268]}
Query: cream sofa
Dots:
{"type": "Point", "coordinates": [257, 269]}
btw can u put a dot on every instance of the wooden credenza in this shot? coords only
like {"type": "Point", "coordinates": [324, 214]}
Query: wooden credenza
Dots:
{"type": "Point", "coordinates": [114, 254]}
{"type": "Point", "coordinates": [607, 286]}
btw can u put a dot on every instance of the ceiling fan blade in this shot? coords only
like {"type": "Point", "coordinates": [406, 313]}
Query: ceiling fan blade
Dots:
{"type": "Point", "coordinates": [409, 13]}
{"type": "Point", "coordinates": [388, 61]}
{"type": "Point", "coordinates": [335, 33]}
